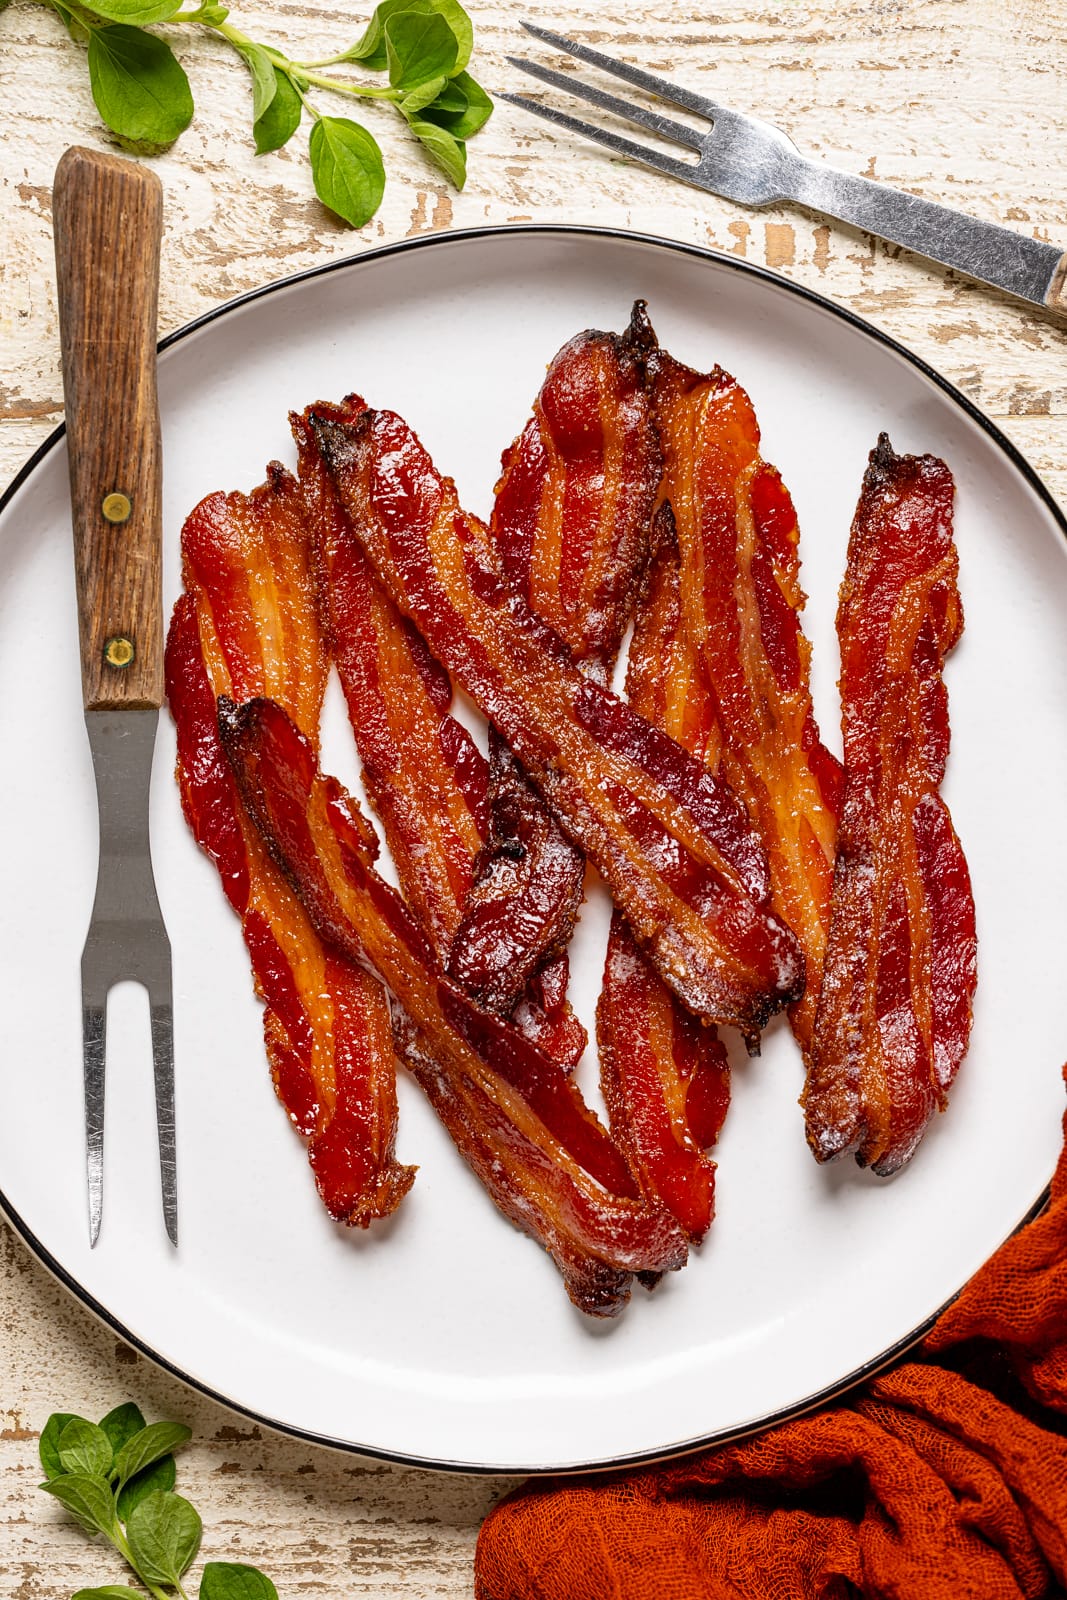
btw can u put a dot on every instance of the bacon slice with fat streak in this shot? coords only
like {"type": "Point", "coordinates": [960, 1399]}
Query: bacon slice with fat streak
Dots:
{"type": "Point", "coordinates": [740, 582]}
{"type": "Point", "coordinates": [570, 523]}
{"type": "Point", "coordinates": [895, 1013]}
{"type": "Point", "coordinates": [670, 838]}
{"type": "Point", "coordinates": [424, 775]}
{"type": "Point", "coordinates": [514, 1113]}
{"type": "Point", "coordinates": [664, 1075]}
{"type": "Point", "coordinates": [247, 625]}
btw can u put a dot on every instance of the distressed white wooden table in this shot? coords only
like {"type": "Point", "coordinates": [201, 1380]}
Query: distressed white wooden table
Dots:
{"type": "Point", "coordinates": [960, 100]}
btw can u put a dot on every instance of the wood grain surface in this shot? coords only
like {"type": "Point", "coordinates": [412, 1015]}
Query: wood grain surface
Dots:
{"type": "Point", "coordinates": [107, 215]}
{"type": "Point", "coordinates": [959, 100]}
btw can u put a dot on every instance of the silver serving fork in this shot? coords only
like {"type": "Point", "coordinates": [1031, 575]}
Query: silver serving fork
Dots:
{"type": "Point", "coordinates": [746, 160]}
{"type": "Point", "coordinates": [108, 223]}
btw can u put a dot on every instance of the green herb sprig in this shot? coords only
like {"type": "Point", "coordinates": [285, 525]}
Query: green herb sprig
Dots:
{"type": "Point", "coordinates": [116, 1478]}
{"type": "Point", "coordinates": [422, 46]}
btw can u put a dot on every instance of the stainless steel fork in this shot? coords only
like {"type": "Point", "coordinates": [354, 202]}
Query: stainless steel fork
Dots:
{"type": "Point", "coordinates": [744, 159]}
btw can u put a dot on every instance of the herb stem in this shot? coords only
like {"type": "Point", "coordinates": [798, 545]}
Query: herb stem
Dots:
{"type": "Point", "coordinates": [363, 90]}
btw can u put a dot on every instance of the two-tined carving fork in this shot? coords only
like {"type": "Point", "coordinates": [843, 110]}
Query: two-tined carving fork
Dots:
{"type": "Point", "coordinates": [108, 223]}
{"type": "Point", "coordinates": [746, 160]}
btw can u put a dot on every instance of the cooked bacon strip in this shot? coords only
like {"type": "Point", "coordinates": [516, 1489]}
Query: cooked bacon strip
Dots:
{"type": "Point", "coordinates": [426, 778]}
{"type": "Point", "coordinates": [669, 837]}
{"type": "Point", "coordinates": [247, 625]}
{"type": "Point", "coordinates": [575, 496]}
{"type": "Point", "coordinates": [895, 1013]}
{"type": "Point", "coordinates": [570, 523]}
{"type": "Point", "coordinates": [514, 1113]}
{"type": "Point", "coordinates": [737, 533]}
{"type": "Point", "coordinates": [526, 894]}
{"type": "Point", "coordinates": [664, 1075]}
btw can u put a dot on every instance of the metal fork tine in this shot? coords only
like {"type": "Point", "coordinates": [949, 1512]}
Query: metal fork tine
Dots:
{"type": "Point", "coordinates": [613, 141]}
{"type": "Point", "coordinates": [620, 69]}
{"type": "Point", "coordinates": [162, 1023]}
{"type": "Point", "coordinates": [666, 127]}
{"type": "Point", "coordinates": [94, 1053]}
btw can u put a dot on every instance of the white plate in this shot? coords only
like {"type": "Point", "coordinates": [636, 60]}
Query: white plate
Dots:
{"type": "Point", "coordinates": [444, 1337]}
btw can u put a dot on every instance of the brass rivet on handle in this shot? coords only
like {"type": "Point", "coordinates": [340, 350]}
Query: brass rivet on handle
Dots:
{"type": "Point", "coordinates": [116, 506]}
{"type": "Point", "coordinates": [119, 651]}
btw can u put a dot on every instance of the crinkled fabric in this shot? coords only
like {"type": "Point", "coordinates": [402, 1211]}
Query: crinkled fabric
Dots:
{"type": "Point", "coordinates": [944, 1478]}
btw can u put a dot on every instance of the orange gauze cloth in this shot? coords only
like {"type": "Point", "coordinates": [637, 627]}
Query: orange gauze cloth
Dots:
{"type": "Point", "coordinates": [944, 1478]}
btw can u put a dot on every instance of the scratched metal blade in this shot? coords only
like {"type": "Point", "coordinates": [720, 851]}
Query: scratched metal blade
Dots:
{"type": "Point", "coordinates": [126, 940]}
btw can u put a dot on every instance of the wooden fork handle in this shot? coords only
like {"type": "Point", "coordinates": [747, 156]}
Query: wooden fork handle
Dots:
{"type": "Point", "coordinates": [1056, 299]}
{"type": "Point", "coordinates": [108, 216]}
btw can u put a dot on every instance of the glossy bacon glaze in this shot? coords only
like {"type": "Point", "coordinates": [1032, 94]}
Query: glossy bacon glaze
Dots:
{"type": "Point", "coordinates": [895, 1014]}
{"type": "Point", "coordinates": [664, 1075]}
{"type": "Point", "coordinates": [570, 524]}
{"type": "Point", "coordinates": [513, 1112]}
{"type": "Point", "coordinates": [424, 775]}
{"type": "Point", "coordinates": [247, 625]}
{"type": "Point", "coordinates": [740, 581]}
{"type": "Point", "coordinates": [670, 839]}
{"type": "Point", "coordinates": [575, 497]}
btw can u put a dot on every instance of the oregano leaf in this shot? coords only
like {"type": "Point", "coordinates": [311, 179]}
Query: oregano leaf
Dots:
{"type": "Point", "coordinates": [163, 1534]}
{"type": "Point", "coordinates": [88, 1499]}
{"type": "Point", "coordinates": [347, 168]}
{"type": "Point", "coordinates": [121, 1424]}
{"type": "Point", "coordinates": [138, 12]}
{"type": "Point", "coordinates": [445, 151]}
{"type": "Point", "coordinates": [281, 119]}
{"type": "Point", "coordinates": [371, 48]}
{"type": "Point", "coordinates": [156, 1440]}
{"type": "Point", "coordinates": [162, 1474]}
{"type": "Point", "coordinates": [139, 86]}
{"type": "Point", "coordinates": [48, 1445]}
{"type": "Point", "coordinates": [462, 108]}
{"type": "Point", "coordinates": [426, 94]}
{"type": "Point", "coordinates": [264, 78]}
{"type": "Point", "coordinates": [85, 1447]}
{"type": "Point", "coordinates": [418, 46]}
{"type": "Point", "coordinates": [230, 1580]}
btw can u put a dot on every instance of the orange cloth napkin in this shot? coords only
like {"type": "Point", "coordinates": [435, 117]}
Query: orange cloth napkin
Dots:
{"type": "Point", "coordinates": [944, 1478]}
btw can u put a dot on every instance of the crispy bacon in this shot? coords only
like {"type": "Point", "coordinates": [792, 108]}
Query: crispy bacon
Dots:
{"type": "Point", "coordinates": [669, 837]}
{"type": "Point", "coordinates": [895, 1013]}
{"type": "Point", "coordinates": [575, 496]}
{"type": "Point", "coordinates": [247, 625]}
{"type": "Point", "coordinates": [570, 523]}
{"type": "Point", "coordinates": [738, 538]}
{"type": "Point", "coordinates": [664, 1075]}
{"type": "Point", "coordinates": [426, 778]}
{"type": "Point", "coordinates": [514, 1113]}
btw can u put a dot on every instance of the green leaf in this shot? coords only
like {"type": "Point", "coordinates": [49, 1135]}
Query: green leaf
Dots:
{"type": "Point", "coordinates": [229, 1580]}
{"type": "Point", "coordinates": [281, 119]}
{"type": "Point", "coordinates": [139, 86]}
{"type": "Point", "coordinates": [160, 1475]}
{"type": "Point", "coordinates": [347, 168]}
{"type": "Point", "coordinates": [89, 1500]}
{"type": "Point", "coordinates": [121, 1424]}
{"type": "Point", "coordinates": [83, 1447]}
{"type": "Point", "coordinates": [139, 12]}
{"type": "Point", "coordinates": [48, 1448]}
{"type": "Point", "coordinates": [371, 48]}
{"type": "Point", "coordinates": [447, 153]}
{"type": "Point", "coordinates": [462, 108]}
{"type": "Point", "coordinates": [264, 78]}
{"type": "Point", "coordinates": [419, 45]}
{"type": "Point", "coordinates": [158, 1439]}
{"type": "Point", "coordinates": [163, 1534]}
{"type": "Point", "coordinates": [420, 98]}
{"type": "Point", "coordinates": [111, 1591]}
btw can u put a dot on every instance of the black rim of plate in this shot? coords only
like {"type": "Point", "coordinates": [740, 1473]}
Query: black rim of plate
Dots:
{"type": "Point", "coordinates": [434, 241]}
